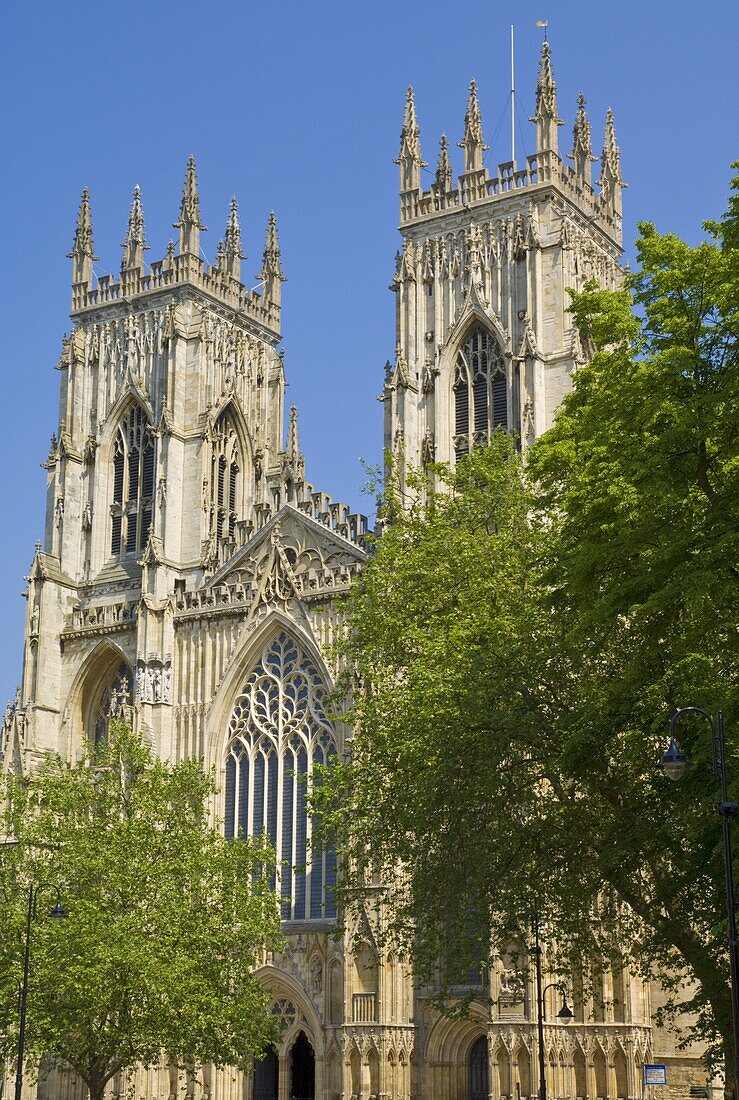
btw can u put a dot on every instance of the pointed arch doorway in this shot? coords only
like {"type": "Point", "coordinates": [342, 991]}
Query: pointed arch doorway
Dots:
{"type": "Point", "coordinates": [302, 1069]}
{"type": "Point", "coordinates": [478, 1069]}
{"type": "Point", "coordinates": [267, 1077]}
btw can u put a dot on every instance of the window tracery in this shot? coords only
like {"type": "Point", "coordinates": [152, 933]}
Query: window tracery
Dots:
{"type": "Point", "coordinates": [225, 479]}
{"type": "Point", "coordinates": [134, 465]}
{"type": "Point", "coordinates": [279, 733]}
{"type": "Point", "coordinates": [114, 701]}
{"type": "Point", "coordinates": [480, 391]}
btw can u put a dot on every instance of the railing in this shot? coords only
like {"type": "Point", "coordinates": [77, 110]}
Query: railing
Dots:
{"type": "Point", "coordinates": [364, 1008]}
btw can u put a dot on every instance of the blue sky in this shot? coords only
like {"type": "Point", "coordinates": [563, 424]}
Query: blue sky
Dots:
{"type": "Point", "coordinates": [298, 107]}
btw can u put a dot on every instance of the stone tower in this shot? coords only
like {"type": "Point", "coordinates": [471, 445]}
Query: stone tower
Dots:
{"type": "Point", "coordinates": [483, 334]}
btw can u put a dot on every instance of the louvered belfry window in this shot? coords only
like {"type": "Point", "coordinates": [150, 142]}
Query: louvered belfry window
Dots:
{"type": "Point", "coordinates": [225, 478]}
{"type": "Point", "coordinates": [278, 733]}
{"type": "Point", "coordinates": [134, 471]}
{"type": "Point", "coordinates": [480, 391]}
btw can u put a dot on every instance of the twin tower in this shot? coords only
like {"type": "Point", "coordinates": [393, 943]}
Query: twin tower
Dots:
{"type": "Point", "coordinates": [191, 578]}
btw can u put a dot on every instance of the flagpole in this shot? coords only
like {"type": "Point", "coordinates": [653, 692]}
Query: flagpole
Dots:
{"type": "Point", "coordinates": [513, 106]}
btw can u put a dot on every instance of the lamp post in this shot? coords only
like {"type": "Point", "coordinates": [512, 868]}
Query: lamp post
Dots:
{"type": "Point", "coordinates": [675, 763]}
{"type": "Point", "coordinates": [564, 1015]}
{"type": "Point", "coordinates": [56, 912]}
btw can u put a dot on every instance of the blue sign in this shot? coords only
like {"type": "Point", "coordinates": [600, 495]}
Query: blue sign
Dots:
{"type": "Point", "coordinates": [655, 1075]}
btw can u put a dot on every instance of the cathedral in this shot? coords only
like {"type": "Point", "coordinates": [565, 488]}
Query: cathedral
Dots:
{"type": "Point", "coordinates": [190, 580]}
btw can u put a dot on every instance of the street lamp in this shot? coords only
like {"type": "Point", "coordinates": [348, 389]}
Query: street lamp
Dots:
{"type": "Point", "coordinates": [565, 1014]}
{"type": "Point", "coordinates": [57, 912]}
{"type": "Point", "coordinates": [675, 763]}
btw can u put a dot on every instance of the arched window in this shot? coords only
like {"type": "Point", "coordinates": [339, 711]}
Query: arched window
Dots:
{"type": "Point", "coordinates": [480, 390]}
{"type": "Point", "coordinates": [279, 732]}
{"type": "Point", "coordinates": [225, 478]}
{"type": "Point", "coordinates": [133, 483]}
{"type": "Point", "coordinates": [113, 701]}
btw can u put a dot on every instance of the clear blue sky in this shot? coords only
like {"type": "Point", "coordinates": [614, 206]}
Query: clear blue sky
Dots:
{"type": "Point", "coordinates": [298, 106]}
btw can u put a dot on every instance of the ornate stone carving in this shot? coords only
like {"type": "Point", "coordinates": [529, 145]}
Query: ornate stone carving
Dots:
{"type": "Point", "coordinates": [153, 682]}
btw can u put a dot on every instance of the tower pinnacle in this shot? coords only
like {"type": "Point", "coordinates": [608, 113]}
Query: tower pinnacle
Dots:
{"type": "Point", "coordinates": [443, 182]}
{"type": "Point", "coordinates": [545, 116]}
{"type": "Point", "coordinates": [233, 253]}
{"type": "Point", "coordinates": [409, 157]}
{"type": "Point", "coordinates": [611, 182]}
{"type": "Point", "coordinates": [135, 243]}
{"type": "Point", "coordinates": [472, 141]}
{"type": "Point", "coordinates": [271, 273]}
{"type": "Point", "coordinates": [582, 149]}
{"type": "Point", "coordinates": [189, 223]}
{"type": "Point", "coordinates": [292, 451]}
{"type": "Point", "coordinates": [83, 252]}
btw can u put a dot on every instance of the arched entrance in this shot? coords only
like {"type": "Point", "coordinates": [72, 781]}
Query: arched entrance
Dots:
{"type": "Point", "coordinates": [302, 1070]}
{"type": "Point", "coordinates": [478, 1066]}
{"type": "Point", "coordinates": [267, 1077]}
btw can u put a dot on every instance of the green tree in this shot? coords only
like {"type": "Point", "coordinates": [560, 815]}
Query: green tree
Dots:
{"type": "Point", "coordinates": [166, 919]}
{"type": "Point", "coordinates": [521, 637]}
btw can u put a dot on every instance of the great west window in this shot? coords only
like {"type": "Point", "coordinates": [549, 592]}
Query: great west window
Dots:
{"type": "Point", "coordinates": [279, 733]}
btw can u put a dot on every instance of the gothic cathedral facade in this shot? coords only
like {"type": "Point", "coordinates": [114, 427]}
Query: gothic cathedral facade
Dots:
{"type": "Point", "coordinates": [189, 578]}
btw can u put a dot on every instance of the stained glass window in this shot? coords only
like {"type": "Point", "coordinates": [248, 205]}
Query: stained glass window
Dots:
{"type": "Point", "coordinates": [279, 732]}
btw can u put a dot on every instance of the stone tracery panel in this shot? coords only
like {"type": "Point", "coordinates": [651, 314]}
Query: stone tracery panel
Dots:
{"type": "Point", "coordinates": [279, 732]}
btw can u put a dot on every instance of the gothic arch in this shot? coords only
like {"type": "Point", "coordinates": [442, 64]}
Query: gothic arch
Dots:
{"type": "Point", "coordinates": [238, 488]}
{"type": "Point", "coordinates": [474, 316]}
{"type": "Point", "coordinates": [108, 481]}
{"type": "Point", "coordinates": [281, 985]}
{"type": "Point", "coordinates": [239, 667]}
{"type": "Point", "coordinates": [450, 1040]}
{"type": "Point", "coordinates": [130, 397]}
{"type": "Point", "coordinates": [97, 668]}
{"type": "Point", "coordinates": [276, 733]}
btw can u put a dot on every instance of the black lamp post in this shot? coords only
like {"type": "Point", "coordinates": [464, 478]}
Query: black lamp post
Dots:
{"type": "Point", "coordinates": [675, 763]}
{"type": "Point", "coordinates": [565, 1014]}
{"type": "Point", "coordinates": [57, 911]}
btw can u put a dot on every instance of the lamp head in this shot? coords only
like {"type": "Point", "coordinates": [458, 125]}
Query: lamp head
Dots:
{"type": "Point", "coordinates": [674, 762]}
{"type": "Point", "coordinates": [565, 1014]}
{"type": "Point", "coordinates": [58, 911]}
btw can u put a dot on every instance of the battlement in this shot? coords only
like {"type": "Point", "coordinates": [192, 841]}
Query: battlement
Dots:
{"type": "Point", "coordinates": [182, 266]}
{"type": "Point", "coordinates": [177, 271]}
{"type": "Point", "coordinates": [541, 169]}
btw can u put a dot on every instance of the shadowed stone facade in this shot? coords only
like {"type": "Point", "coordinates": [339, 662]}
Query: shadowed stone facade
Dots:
{"type": "Point", "coordinates": [189, 578]}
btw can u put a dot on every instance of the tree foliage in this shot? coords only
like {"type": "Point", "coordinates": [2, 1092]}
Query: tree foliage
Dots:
{"type": "Point", "coordinates": [166, 919]}
{"type": "Point", "coordinates": [521, 636]}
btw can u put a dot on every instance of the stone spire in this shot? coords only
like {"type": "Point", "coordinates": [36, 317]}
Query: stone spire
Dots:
{"type": "Point", "coordinates": [271, 273]}
{"type": "Point", "coordinates": [472, 141]}
{"type": "Point", "coordinates": [189, 223]}
{"type": "Point", "coordinates": [610, 182]}
{"type": "Point", "coordinates": [83, 252]}
{"type": "Point", "coordinates": [409, 157]}
{"type": "Point", "coordinates": [233, 253]}
{"type": "Point", "coordinates": [294, 460]}
{"type": "Point", "coordinates": [443, 168]}
{"type": "Point", "coordinates": [545, 118]}
{"type": "Point", "coordinates": [292, 451]}
{"type": "Point", "coordinates": [135, 244]}
{"type": "Point", "coordinates": [582, 149]}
